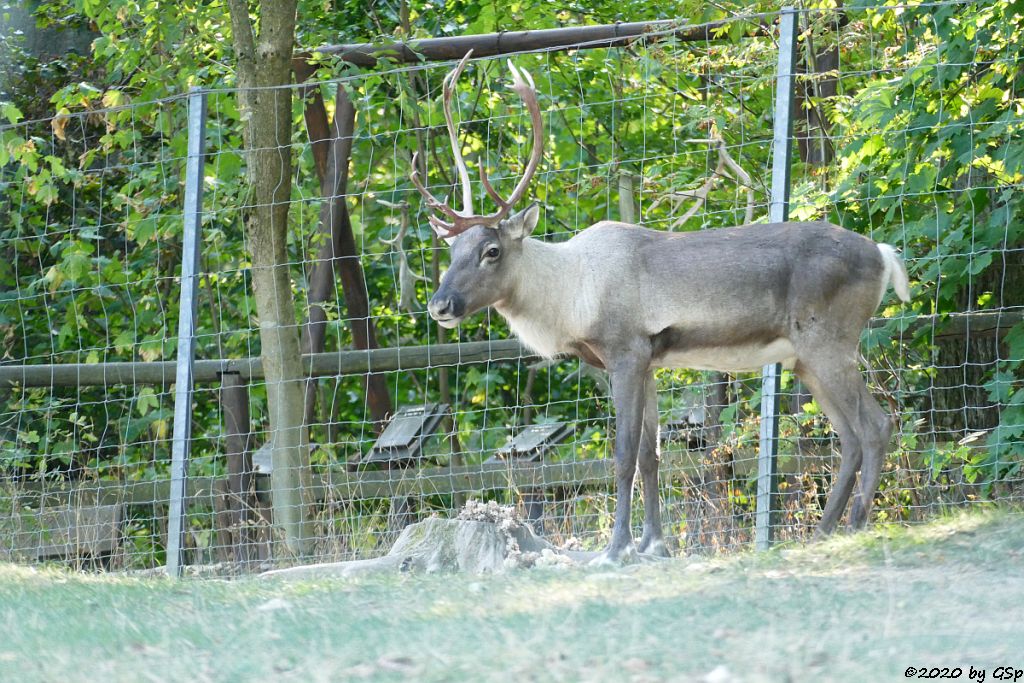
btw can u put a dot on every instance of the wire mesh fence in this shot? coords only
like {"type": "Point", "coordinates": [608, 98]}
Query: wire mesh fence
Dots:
{"type": "Point", "coordinates": [907, 129]}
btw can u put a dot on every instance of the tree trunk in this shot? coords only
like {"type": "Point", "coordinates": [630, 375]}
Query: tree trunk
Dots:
{"type": "Point", "coordinates": [234, 400]}
{"type": "Point", "coordinates": [337, 254]}
{"type": "Point", "coordinates": [627, 197]}
{"type": "Point", "coordinates": [709, 523]}
{"type": "Point", "coordinates": [960, 402]}
{"type": "Point", "coordinates": [265, 99]}
{"type": "Point", "coordinates": [810, 127]}
{"type": "Point", "coordinates": [812, 130]}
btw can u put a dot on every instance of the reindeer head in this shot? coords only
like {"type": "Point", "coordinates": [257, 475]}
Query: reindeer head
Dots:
{"type": "Point", "coordinates": [484, 257]}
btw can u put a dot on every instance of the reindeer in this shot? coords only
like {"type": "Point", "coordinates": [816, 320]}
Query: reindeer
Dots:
{"type": "Point", "coordinates": [628, 300]}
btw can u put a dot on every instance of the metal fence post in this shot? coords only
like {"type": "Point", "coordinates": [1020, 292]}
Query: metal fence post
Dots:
{"type": "Point", "coordinates": [767, 476]}
{"type": "Point", "coordinates": [182, 439]}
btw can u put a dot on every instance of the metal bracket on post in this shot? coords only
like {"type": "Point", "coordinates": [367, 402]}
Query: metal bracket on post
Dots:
{"type": "Point", "coordinates": [182, 439]}
{"type": "Point", "coordinates": [778, 212]}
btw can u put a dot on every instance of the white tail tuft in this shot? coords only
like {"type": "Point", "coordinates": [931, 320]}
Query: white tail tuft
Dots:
{"type": "Point", "coordinates": [895, 272]}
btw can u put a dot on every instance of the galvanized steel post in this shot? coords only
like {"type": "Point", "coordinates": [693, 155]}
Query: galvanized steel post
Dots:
{"type": "Point", "coordinates": [767, 476]}
{"type": "Point", "coordinates": [182, 439]}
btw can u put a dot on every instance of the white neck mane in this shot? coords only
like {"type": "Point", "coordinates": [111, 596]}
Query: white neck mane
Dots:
{"type": "Point", "coordinates": [549, 275]}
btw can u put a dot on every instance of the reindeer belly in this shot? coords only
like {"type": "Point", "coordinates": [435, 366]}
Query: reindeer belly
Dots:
{"type": "Point", "coordinates": [734, 358]}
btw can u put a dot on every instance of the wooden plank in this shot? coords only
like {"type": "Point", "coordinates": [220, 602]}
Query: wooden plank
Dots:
{"type": "Point", "coordinates": [68, 531]}
{"type": "Point", "coordinates": [343, 485]}
{"type": "Point", "coordinates": [339, 484]}
{"type": "Point", "coordinates": [340, 363]}
{"type": "Point", "coordinates": [200, 491]}
{"type": "Point", "coordinates": [494, 44]}
{"type": "Point", "coordinates": [974, 324]}
{"type": "Point", "coordinates": [676, 465]}
{"type": "Point", "coordinates": [446, 480]}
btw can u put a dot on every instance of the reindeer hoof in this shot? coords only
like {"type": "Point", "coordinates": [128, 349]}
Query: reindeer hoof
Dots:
{"type": "Point", "coordinates": [655, 548]}
{"type": "Point", "coordinates": [820, 535]}
{"type": "Point", "coordinates": [858, 516]}
{"type": "Point", "coordinates": [613, 558]}
{"type": "Point", "coordinates": [823, 531]}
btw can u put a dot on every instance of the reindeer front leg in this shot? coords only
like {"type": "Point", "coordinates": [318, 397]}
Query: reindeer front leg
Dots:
{"type": "Point", "coordinates": [628, 378]}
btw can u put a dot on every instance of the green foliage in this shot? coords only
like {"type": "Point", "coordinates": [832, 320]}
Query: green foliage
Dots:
{"type": "Point", "coordinates": [932, 162]}
{"type": "Point", "coordinates": [929, 156]}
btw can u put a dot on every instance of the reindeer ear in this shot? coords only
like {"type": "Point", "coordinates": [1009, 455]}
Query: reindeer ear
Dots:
{"type": "Point", "coordinates": [522, 224]}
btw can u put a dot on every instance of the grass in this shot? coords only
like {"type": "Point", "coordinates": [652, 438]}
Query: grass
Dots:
{"type": "Point", "coordinates": [858, 608]}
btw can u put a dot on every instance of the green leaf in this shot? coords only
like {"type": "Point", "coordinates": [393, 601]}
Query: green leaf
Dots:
{"type": "Point", "coordinates": [980, 262]}
{"type": "Point", "coordinates": [872, 146]}
{"type": "Point", "coordinates": [11, 113]}
{"type": "Point", "coordinates": [1015, 342]}
{"type": "Point", "coordinates": [1000, 387]}
{"type": "Point", "coordinates": [76, 265]}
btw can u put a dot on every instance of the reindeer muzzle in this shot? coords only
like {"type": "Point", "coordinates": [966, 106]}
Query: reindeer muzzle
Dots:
{"type": "Point", "coordinates": [447, 309]}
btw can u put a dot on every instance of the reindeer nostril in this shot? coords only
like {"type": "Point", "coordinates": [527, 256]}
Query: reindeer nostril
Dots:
{"type": "Point", "coordinates": [441, 307]}
{"type": "Point", "coordinates": [448, 307]}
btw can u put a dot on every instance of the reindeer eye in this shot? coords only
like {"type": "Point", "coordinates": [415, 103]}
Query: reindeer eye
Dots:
{"type": "Point", "coordinates": [492, 252]}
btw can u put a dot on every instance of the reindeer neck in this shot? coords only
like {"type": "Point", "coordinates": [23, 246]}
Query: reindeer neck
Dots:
{"type": "Point", "coordinates": [540, 308]}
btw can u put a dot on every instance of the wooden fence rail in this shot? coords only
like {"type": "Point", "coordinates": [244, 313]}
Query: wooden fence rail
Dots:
{"type": "Point", "coordinates": [338, 363]}
{"type": "Point", "coordinates": [336, 483]}
{"type": "Point", "coordinates": [161, 373]}
{"type": "Point", "coordinates": [511, 42]}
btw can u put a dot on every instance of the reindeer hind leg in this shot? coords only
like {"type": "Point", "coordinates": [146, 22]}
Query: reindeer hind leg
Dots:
{"type": "Point", "coordinates": [875, 427]}
{"type": "Point", "coordinates": [651, 542]}
{"type": "Point", "coordinates": [832, 389]}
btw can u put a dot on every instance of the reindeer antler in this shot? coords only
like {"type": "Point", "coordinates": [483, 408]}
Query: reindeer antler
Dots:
{"type": "Point", "coordinates": [406, 277]}
{"type": "Point", "coordinates": [460, 221]}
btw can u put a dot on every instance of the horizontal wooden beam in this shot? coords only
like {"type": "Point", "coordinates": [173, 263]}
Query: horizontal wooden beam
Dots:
{"type": "Point", "coordinates": [977, 323]}
{"type": "Point", "coordinates": [349, 362]}
{"type": "Point", "coordinates": [676, 464]}
{"type": "Point", "coordinates": [494, 44]}
{"type": "Point", "coordinates": [340, 485]}
{"type": "Point", "coordinates": [64, 531]}
{"type": "Point", "coordinates": [337, 483]}
{"type": "Point", "coordinates": [200, 491]}
{"type": "Point", "coordinates": [339, 363]}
